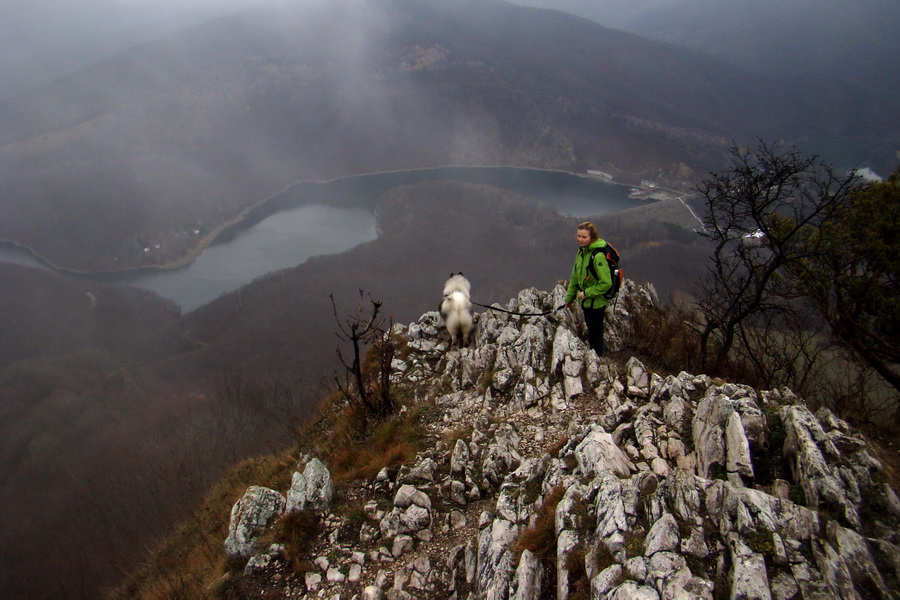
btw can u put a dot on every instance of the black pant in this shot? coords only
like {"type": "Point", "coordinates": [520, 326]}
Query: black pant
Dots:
{"type": "Point", "coordinates": [593, 317]}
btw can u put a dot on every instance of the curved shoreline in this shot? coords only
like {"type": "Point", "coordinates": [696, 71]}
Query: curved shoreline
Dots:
{"type": "Point", "coordinates": [209, 238]}
{"type": "Point", "coordinates": [178, 263]}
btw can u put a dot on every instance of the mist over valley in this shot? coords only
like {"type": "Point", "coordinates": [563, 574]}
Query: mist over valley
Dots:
{"type": "Point", "coordinates": [102, 383]}
{"type": "Point", "coordinates": [310, 219]}
{"type": "Point", "coordinates": [185, 132]}
{"type": "Point", "coordinates": [119, 408]}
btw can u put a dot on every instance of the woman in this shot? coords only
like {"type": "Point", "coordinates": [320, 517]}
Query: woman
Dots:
{"type": "Point", "coordinates": [588, 285]}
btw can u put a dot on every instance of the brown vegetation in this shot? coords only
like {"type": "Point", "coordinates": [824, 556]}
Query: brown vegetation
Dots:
{"type": "Point", "coordinates": [188, 562]}
{"type": "Point", "coordinates": [180, 564]}
{"type": "Point", "coordinates": [367, 384]}
{"type": "Point", "coordinates": [540, 538]}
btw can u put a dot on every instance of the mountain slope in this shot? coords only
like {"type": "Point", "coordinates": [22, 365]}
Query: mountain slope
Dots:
{"type": "Point", "coordinates": [183, 133]}
{"type": "Point", "coordinates": [46, 314]}
{"type": "Point", "coordinates": [852, 42]}
{"type": "Point", "coordinates": [128, 413]}
{"type": "Point", "coordinates": [43, 40]}
{"type": "Point", "coordinates": [542, 471]}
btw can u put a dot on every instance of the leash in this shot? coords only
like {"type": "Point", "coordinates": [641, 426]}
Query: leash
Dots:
{"type": "Point", "coordinates": [509, 312]}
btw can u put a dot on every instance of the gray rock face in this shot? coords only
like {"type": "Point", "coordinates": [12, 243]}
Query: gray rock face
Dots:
{"type": "Point", "coordinates": [815, 460]}
{"type": "Point", "coordinates": [638, 486]}
{"type": "Point", "coordinates": [528, 578]}
{"type": "Point", "coordinates": [663, 536]}
{"type": "Point", "coordinates": [597, 452]}
{"type": "Point", "coordinates": [726, 422]}
{"type": "Point", "coordinates": [312, 490]}
{"type": "Point", "coordinates": [250, 516]}
{"type": "Point", "coordinates": [502, 456]}
{"type": "Point", "coordinates": [411, 517]}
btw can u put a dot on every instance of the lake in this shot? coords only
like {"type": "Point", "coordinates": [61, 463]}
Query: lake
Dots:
{"type": "Point", "coordinates": [311, 219]}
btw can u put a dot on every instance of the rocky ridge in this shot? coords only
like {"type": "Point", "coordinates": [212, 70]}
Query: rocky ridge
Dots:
{"type": "Point", "coordinates": [646, 487]}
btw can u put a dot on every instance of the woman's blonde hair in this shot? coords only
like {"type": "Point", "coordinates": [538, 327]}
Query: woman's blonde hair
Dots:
{"type": "Point", "coordinates": [591, 229]}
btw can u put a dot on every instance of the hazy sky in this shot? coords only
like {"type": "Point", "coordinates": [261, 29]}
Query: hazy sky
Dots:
{"type": "Point", "coordinates": [43, 39]}
{"type": "Point", "coordinates": [610, 13]}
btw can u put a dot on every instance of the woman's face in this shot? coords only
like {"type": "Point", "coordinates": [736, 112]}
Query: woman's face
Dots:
{"type": "Point", "coordinates": [583, 237]}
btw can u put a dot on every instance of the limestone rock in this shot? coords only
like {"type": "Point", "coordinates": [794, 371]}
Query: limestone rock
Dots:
{"type": "Point", "coordinates": [662, 536]}
{"type": "Point", "coordinates": [502, 456]}
{"type": "Point", "coordinates": [597, 453]}
{"type": "Point", "coordinates": [528, 578]}
{"type": "Point", "coordinates": [644, 487]}
{"type": "Point", "coordinates": [460, 459]}
{"type": "Point", "coordinates": [812, 455]}
{"type": "Point", "coordinates": [250, 516]}
{"type": "Point", "coordinates": [312, 490]}
{"type": "Point", "coordinates": [748, 573]}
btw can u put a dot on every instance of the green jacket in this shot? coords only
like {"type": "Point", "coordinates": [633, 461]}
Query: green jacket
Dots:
{"type": "Point", "coordinates": [582, 280]}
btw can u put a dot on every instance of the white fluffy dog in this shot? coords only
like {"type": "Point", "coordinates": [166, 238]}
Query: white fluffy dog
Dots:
{"type": "Point", "coordinates": [456, 309]}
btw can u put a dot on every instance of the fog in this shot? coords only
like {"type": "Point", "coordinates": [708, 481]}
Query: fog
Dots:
{"type": "Point", "coordinates": [185, 133]}
{"type": "Point", "coordinates": [619, 14]}
{"type": "Point", "coordinates": [126, 165]}
{"type": "Point", "coordinates": [41, 40]}
{"type": "Point", "coordinates": [854, 42]}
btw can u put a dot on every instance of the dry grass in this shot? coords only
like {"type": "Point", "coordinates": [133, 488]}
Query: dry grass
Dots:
{"type": "Point", "coordinates": [187, 562]}
{"type": "Point", "coordinates": [540, 538]}
{"type": "Point", "coordinates": [391, 443]}
{"type": "Point", "coordinates": [296, 531]}
{"type": "Point", "coordinates": [454, 435]}
{"type": "Point", "coordinates": [191, 564]}
{"type": "Point", "coordinates": [358, 447]}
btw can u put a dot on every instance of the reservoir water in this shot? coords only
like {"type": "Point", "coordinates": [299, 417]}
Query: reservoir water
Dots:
{"type": "Point", "coordinates": [284, 239]}
{"type": "Point", "coordinates": [310, 219]}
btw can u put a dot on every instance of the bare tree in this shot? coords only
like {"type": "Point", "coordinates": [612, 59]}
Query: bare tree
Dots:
{"type": "Point", "coordinates": [758, 214]}
{"type": "Point", "coordinates": [372, 382]}
{"type": "Point", "coordinates": [271, 400]}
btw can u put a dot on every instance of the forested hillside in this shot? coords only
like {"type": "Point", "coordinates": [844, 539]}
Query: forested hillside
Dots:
{"type": "Point", "coordinates": [182, 134]}
{"type": "Point", "coordinates": [817, 40]}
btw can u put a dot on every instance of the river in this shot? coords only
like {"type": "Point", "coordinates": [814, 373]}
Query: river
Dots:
{"type": "Point", "coordinates": [310, 219]}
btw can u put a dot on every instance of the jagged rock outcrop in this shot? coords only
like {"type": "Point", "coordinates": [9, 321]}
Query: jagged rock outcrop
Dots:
{"type": "Point", "coordinates": [259, 507]}
{"type": "Point", "coordinates": [639, 486]}
{"type": "Point", "coordinates": [311, 490]}
{"type": "Point", "coordinates": [250, 516]}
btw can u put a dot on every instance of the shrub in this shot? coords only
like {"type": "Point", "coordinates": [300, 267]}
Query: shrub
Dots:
{"type": "Point", "coordinates": [666, 338]}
